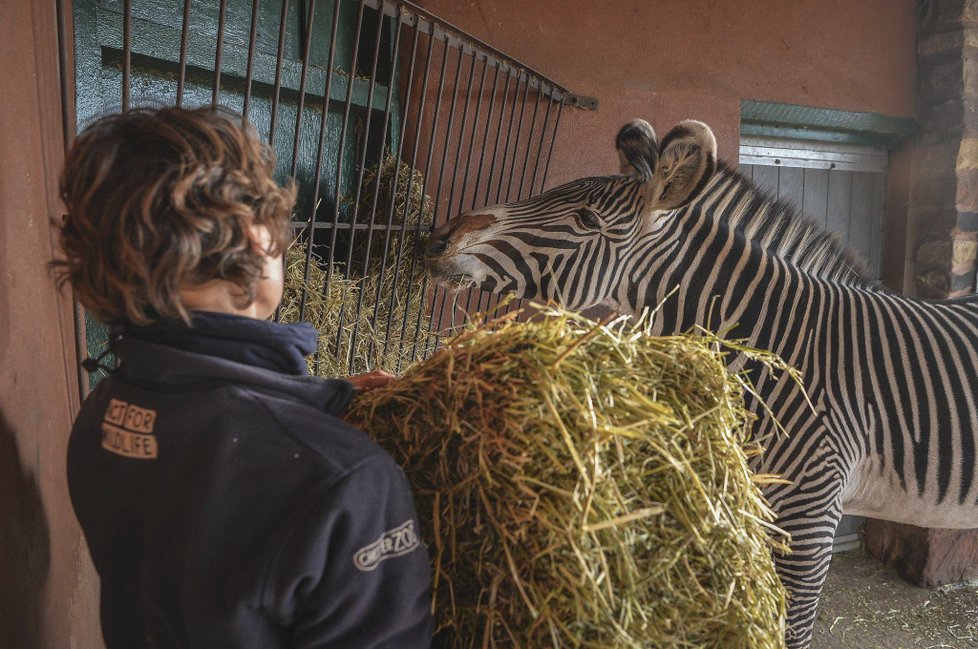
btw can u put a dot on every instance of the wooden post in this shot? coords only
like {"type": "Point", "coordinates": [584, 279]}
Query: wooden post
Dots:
{"type": "Point", "coordinates": [48, 591]}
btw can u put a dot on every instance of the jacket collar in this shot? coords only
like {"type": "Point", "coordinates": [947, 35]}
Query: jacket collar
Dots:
{"type": "Point", "coordinates": [143, 362]}
{"type": "Point", "coordinates": [277, 346]}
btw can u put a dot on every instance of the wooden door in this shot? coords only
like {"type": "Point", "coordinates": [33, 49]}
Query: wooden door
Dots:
{"type": "Point", "coordinates": [841, 186]}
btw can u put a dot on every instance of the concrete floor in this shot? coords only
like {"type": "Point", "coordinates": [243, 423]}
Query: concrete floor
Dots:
{"type": "Point", "coordinates": [867, 606]}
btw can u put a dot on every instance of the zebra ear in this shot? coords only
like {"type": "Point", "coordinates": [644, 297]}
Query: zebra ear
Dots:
{"type": "Point", "coordinates": [687, 161]}
{"type": "Point", "coordinates": [638, 149]}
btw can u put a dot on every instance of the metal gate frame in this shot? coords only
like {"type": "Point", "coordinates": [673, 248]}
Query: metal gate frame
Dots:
{"type": "Point", "coordinates": [499, 157]}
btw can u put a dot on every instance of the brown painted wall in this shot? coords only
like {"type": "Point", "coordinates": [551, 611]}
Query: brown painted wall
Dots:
{"type": "Point", "coordinates": [48, 593]}
{"type": "Point", "coordinates": [667, 60]}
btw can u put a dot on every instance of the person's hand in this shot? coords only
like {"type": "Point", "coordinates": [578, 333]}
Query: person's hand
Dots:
{"type": "Point", "coordinates": [371, 380]}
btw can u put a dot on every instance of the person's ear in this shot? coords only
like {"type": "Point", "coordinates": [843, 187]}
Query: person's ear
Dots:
{"type": "Point", "coordinates": [261, 238]}
{"type": "Point", "coordinates": [638, 150]}
{"type": "Point", "coordinates": [687, 162]}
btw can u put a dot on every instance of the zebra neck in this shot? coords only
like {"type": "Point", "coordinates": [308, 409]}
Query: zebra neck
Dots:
{"type": "Point", "coordinates": [703, 273]}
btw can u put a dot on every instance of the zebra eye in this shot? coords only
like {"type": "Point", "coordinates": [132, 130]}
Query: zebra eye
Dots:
{"type": "Point", "coordinates": [588, 218]}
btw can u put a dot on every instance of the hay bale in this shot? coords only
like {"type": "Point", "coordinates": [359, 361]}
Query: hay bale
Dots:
{"type": "Point", "coordinates": [351, 339]}
{"type": "Point", "coordinates": [584, 485]}
{"type": "Point", "coordinates": [405, 201]}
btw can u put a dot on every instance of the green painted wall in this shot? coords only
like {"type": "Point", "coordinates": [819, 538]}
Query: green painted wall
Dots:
{"type": "Point", "coordinates": [156, 38]}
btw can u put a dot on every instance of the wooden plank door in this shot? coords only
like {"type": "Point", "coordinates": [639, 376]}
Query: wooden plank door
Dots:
{"type": "Point", "coordinates": [843, 189]}
{"type": "Point", "coordinates": [840, 187]}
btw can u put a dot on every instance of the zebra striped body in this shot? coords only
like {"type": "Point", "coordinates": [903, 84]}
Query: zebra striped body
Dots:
{"type": "Point", "coordinates": [893, 380]}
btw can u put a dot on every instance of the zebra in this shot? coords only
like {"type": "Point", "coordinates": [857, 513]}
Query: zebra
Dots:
{"type": "Point", "coordinates": [884, 422]}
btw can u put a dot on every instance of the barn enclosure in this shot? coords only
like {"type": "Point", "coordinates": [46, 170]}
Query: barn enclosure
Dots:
{"type": "Point", "coordinates": [389, 119]}
{"type": "Point", "coordinates": [393, 119]}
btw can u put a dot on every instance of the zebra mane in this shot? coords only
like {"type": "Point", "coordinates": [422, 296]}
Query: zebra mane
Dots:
{"type": "Point", "coordinates": [782, 230]}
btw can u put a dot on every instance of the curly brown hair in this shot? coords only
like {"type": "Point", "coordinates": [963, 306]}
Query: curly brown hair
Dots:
{"type": "Point", "coordinates": [159, 198]}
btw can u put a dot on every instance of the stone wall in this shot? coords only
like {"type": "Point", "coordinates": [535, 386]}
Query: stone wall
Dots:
{"type": "Point", "coordinates": [944, 214]}
{"type": "Point", "coordinates": [945, 192]}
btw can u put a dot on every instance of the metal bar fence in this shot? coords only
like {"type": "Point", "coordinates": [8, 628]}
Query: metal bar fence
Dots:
{"type": "Point", "coordinates": [417, 121]}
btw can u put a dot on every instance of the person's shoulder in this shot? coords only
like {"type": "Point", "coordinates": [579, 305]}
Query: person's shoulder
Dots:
{"type": "Point", "coordinates": [318, 435]}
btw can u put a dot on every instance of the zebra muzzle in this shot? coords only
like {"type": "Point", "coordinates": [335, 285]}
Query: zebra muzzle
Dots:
{"type": "Point", "coordinates": [436, 246]}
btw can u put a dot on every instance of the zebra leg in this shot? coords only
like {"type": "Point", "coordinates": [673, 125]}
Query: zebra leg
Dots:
{"type": "Point", "coordinates": [809, 509]}
{"type": "Point", "coordinates": [803, 571]}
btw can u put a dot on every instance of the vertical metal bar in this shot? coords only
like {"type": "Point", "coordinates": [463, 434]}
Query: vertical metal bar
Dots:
{"type": "Point", "coordinates": [363, 161]}
{"type": "Point", "coordinates": [472, 136]}
{"type": "Point", "coordinates": [184, 34]}
{"type": "Point", "coordinates": [482, 156]}
{"type": "Point", "coordinates": [443, 294]}
{"type": "Point", "coordinates": [318, 171]}
{"type": "Point", "coordinates": [126, 52]}
{"type": "Point", "coordinates": [451, 124]}
{"type": "Point", "coordinates": [220, 50]}
{"type": "Point", "coordinates": [553, 138]}
{"type": "Point", "coordinates": [495, 151]}
{"type": "Point", "coordinates": [424, 185]}
{"type": "Point", "coordinates": [410, 186]}
{"type": "Point", "coordinates": [307, 45]}
{"type": "Point", "coordinates": [283, 21]}
{"type": "Point", "coordinates": [516, 304]}
{"type": "Point", "coordinates": [68, 118]}
{"type": "Point", "coordinates": [458, 160]}
{"type": "Point", "coordinates": [250, 67]}
{"type": "Point", "coordinates": [485, 136]}
{"type": "Point", "coordinates": [342, 141]}
{"type": "Point", "coordinates": [431, 146]}
{"type": "Point", "coordinates": [366, 142]}
{"type": "Point", "coordinates": [66, 73]}
{"type": "Point", "coordinates": [409, 181]}
{"type": "Point", "coordinates": [519, 303]}
{"type": "Point", "coordinates": [529, 145]}
{"type": "Point", "coordinates": [395, 50]}
{"type": "Point", "coordinates": [488, 296]}
{"type": "Point", "coordinates": [543, 138]}
{"type": "Point", "coordinates": [461, 134]}
{"type": "Point", "coordinates": [485, 143]}
{"type": "Point", "coordinates": [468, 160]}
{"type": "Point", "coordinates": [351, 82]}
{"type": "Point", "coordinates": [502, 168]}
{"type": "Point", "coordinates": [509, 136]}
{"type": "Point", "coordinates": [516, 142]}
{"type": "Point", "coordinates": [499, 133]}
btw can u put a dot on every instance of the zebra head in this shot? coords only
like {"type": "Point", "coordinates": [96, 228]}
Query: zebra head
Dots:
{"type": "Point", "coordinates": [572, 243]}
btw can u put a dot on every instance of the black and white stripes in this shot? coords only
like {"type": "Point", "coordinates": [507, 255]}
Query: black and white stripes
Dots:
{"type": "Point", "coordinates": [886, 421]}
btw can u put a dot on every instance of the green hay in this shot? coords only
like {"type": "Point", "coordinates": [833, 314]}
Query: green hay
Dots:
{"type": "Point", "coordinates": [585, 485]}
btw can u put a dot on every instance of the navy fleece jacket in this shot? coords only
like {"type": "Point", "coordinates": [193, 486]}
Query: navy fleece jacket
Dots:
{"type": "Point", "coordinates": [225, 505]}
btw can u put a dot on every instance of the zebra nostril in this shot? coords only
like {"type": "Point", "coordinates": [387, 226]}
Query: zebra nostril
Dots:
{"type": "Point", "coordinates": [435, 246]}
